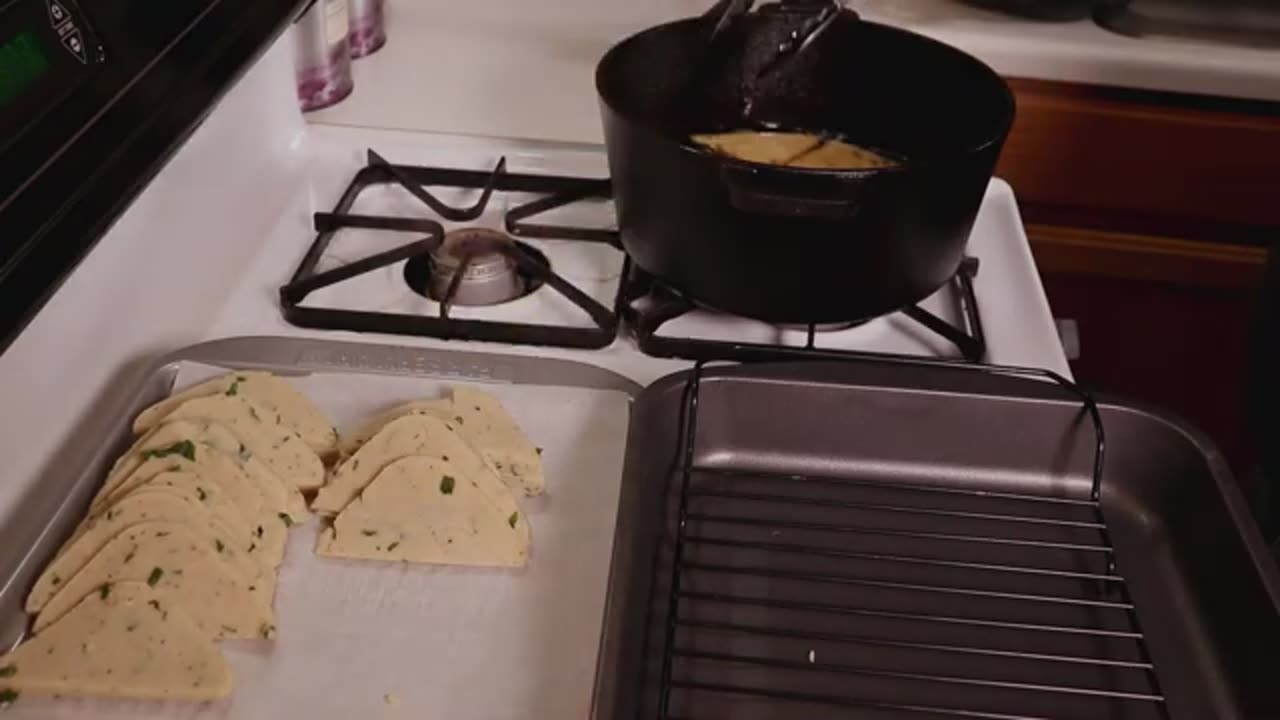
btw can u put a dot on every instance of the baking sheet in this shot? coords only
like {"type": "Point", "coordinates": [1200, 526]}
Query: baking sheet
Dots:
{"type": "Point", "coordinates": [368, 640]}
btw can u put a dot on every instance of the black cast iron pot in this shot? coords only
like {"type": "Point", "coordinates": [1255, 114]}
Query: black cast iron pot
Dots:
{"type": "Point", "coordinates": [791, 245]}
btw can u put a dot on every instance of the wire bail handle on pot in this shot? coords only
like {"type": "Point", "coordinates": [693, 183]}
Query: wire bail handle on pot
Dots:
{"type": "Point", "coordinates": [823, 14]}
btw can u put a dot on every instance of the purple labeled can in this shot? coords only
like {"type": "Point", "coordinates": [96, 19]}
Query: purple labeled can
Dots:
{"type": "Point", "coordinates": [368, 32]}
{"type": "Point", "coordinates": [322, 58]}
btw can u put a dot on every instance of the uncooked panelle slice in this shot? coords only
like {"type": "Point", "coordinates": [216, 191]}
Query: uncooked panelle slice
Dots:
{"type": "Point", "coordinates": [427, 510]}
{"type": "Point", "coordinates": [487, 424]}
{"type": "Point", "coordinates": [268, 523]}
{"type": "Point", "coordinates": [179, 561]}
{"type": "Point", "coordinates": [130, 641]}
{"type": "Point", "coordinates": [262, 432]}
{"type": "Point", "coordinates": [440, 407]}
{"type": "Point", "coordinates": [482, 421]}
{"type": "Point", "coordinates": [215, 495]}
{"type": "Point", "coordinates": [269, 530]}
{"type": "Point", "coordinates": [273, 393]}
{"type": "Point", "coordinates": [232, 502]}
{"type": "Point", "coordinates": [269, 533]}
{"type": "Point", "coordinates": [185, 501]}
{"type": "Point", "coordinates": [210, 444]}
{"type": "Point", "coordinates": [404, 436]}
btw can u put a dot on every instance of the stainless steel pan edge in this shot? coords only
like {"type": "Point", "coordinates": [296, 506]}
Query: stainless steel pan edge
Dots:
{"type": "Point", "coordinates": [1265, 561]}
{"type": "Point", "coordinates": [56, 502]}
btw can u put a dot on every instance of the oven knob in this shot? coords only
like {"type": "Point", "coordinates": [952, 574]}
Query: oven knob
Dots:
{"type": "Point", "coordinates": [57, 13]}
{"type": "Point", "coordinates": [75, 43]}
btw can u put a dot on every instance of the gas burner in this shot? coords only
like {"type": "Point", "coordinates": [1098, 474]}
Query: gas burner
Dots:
{"type": "Point", "coordinates": [474, 267]}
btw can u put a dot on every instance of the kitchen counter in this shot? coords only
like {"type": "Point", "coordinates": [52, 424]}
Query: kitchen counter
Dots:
{"type": "Point", "coordinates": [525, 69]}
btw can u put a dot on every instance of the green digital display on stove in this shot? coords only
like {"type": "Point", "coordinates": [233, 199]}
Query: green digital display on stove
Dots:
{"type": "Point", "coordinates": [23, 61]}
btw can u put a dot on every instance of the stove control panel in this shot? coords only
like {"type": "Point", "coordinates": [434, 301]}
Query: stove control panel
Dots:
{"type": "Point", "coordinates": [48, 48]}
{"type": "Point", "coordinates": [65, 65]}
{"type": "Point", "coordinates": [95, 95]}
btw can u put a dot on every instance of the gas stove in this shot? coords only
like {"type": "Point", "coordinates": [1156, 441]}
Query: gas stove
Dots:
{"type": "Point", "coordinates": [369, 250]}
{"type": "Point", "coordinates": [262, 225]}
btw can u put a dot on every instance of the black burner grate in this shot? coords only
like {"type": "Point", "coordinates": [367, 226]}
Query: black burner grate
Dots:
{"type": "Point", "coordinates": [648, 305]}
{"type": "Point", "coordinates": [661, 306]}
{"type": "Point", "coordinates": [556, 192]}
{"type": "Point", "coordinates": [810, 596]}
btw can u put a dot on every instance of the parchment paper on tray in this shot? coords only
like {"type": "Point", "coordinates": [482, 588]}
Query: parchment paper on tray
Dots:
{"type": "Point", "coordinates": [366, 639]}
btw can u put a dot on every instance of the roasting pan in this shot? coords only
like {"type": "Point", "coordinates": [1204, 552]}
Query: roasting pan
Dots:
{"type": "Point", "coordinates": [879, 541]}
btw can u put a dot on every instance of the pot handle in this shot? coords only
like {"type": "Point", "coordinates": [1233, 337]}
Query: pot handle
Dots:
{"type": "Point", "coordinates": [840, 200]}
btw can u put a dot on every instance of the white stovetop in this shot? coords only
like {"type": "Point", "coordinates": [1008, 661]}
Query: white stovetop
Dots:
{"type": "Point", "coordinates": [202, 251]}
{"type": "Point", "coordinates": [525, 69]}
{"type": "Point", "coordinates": [1015, 314]}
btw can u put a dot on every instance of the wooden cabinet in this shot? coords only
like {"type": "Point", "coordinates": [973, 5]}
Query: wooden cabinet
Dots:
{"type": "Point", "coordinates": [1149, 216]}
{"type": "Point", "coordinates": [1154, 185]}
{"type": "Point", "coordinates": [1073, 250]}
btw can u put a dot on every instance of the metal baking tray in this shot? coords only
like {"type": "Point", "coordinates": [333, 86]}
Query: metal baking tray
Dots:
{"type": "Point", "coordinates": [877, 541]}
{"type": "Point", "coordinates": [49, 512]}
{"type": "Point", "coordinates": [858, 539]}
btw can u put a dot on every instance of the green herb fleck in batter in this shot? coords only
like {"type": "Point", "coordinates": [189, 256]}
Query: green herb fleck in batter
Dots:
{"type": "Point", "coordinates": [393, 546]}
{"type": "Point", "coordinates": [369, 533]}
{"type": "Point", "coordinates": [8, 696]}
{"type": "Point", "coordinates": [185, 448]}
{"type": "Point", "coordinates": [218, 544]}
{"type": "Point", "coordinates": [154, 577]}
{"type": "Point", "coordinates": [512, 520]}
{"type": "Point", "coordinates": [8, 671]}
{"type": "Point", "coordinates": [446, 485]}
{"type": "Point", "coordinates": [104, 590]}
{"type": "Point", "coordinates": [284, 518]}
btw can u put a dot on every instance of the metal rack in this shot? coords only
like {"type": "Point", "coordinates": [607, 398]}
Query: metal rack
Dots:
{"type": "Point", "coordinates": [809, 596]}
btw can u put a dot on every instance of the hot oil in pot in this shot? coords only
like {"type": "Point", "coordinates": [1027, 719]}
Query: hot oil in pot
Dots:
{"type": "Point", "coordinates": [793, 149]}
